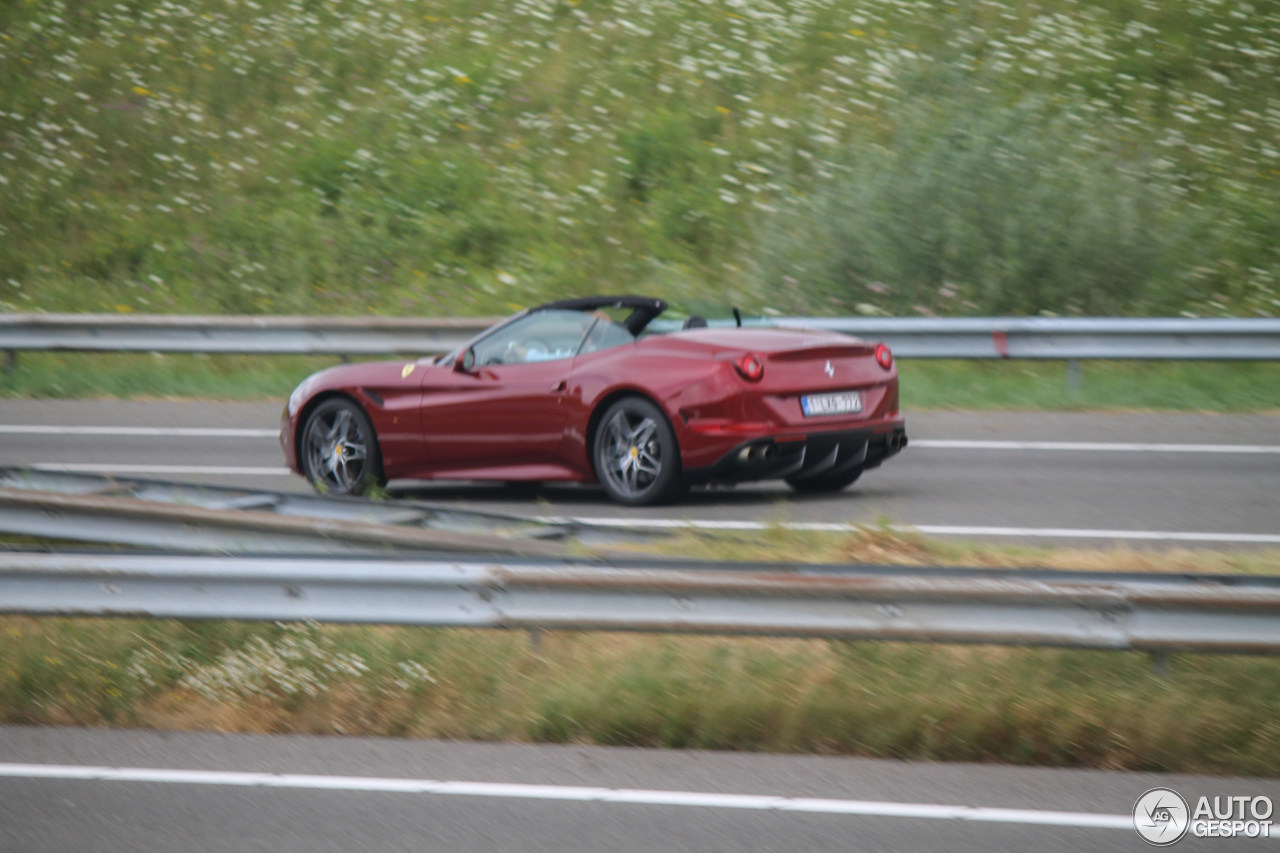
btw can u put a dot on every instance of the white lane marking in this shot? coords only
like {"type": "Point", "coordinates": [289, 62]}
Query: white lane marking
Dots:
{"type": "Point", "coordinates": [130, 468]}
{"type": "Point", "coordinates": [931, 529]}
{"type": "Point", "coordinates": [628, 796]}
{"type": "Point", "coordinates": [178, 432]}
{"type": "Point", "coordinates": [1070, 533]}
{"type": "Point", "coordinates": [1090, 446]}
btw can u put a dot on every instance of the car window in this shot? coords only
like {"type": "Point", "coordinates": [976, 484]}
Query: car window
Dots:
{"type": "Point", "coordinates": [541, 336]}
{"type": "Point", "coordinates": [606, 333]}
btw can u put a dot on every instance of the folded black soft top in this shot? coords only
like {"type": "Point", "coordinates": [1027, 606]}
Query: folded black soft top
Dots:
{"type": "Point", "coordinates": [644, 308]}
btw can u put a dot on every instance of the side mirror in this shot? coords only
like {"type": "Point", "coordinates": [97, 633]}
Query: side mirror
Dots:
{"type": "Point", "coordinates": [464, 362]}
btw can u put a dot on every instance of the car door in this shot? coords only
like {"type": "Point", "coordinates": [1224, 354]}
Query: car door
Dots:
{"type": "Point", "coordinates": [507, 408]}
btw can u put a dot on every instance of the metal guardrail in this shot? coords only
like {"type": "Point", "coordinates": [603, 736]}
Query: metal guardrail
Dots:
{"type": "Point", "coordinates": [1065, 338]}
{"type": "Point", "coordinates": [1249, 339]}
{"type": "Point", "coordinates": [235, 335]}
{"type": "Point", "coordinates": [199, 518]}
{"type": "Point", "coordinates": [1158, 613]}
{"type": "Point", "coordinates": [117, 520]}
{"type": "Point", "coordinates": [396, 562]}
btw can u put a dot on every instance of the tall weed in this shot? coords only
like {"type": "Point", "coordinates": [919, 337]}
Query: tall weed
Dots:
{"type": "Point", "coordinates": [974, 205]}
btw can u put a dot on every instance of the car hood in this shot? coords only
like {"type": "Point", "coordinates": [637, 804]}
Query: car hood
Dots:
{"type": "Point", "coordinates": [365, 374]}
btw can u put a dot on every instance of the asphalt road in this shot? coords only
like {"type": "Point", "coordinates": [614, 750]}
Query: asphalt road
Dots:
{"type": "Point", "coordinates": [1102, 477]}
{"type": "Point", "coordinates": [356, 797]}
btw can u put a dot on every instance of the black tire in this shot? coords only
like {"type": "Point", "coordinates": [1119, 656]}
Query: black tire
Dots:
{"type": "Point", "coordinates": [338, 449]}
{"type": "Point", "coordinates": [635, 453]}
{"type": "Point", "coordinates": [828, 483]}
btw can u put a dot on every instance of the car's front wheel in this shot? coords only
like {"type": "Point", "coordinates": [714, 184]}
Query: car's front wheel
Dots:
{"type": "Point", "coordinates": [636, 455]}
{"type": "Point", "coordinates": [339, 450]}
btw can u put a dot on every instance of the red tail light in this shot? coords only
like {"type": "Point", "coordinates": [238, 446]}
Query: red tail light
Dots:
{"type": "Point", "coordinates": [751, 367]}
{"type": "Point", "coordinates": [884, 358]}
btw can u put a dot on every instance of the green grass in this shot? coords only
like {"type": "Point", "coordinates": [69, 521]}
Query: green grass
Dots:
{"type": "Point", "coordinates": [1045, 707]}
{"type": "Point", "coordinates": [1203, 386]}
{"type": "Point", "coordinates": [879, 544]}
{"type": "Point", "coordinates": [130, 375]}
{"type": "Point", "coordinates": [813, 156]}
{"type": "Point", "coordinates": [1174, 386]}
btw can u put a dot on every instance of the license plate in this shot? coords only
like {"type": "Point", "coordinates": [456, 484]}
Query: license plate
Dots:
{"type": "Point", "coordinates": [844, 403]}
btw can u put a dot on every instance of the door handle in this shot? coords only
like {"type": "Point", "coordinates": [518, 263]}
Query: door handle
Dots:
{"type": "Point", "coordinates": [558, 386]}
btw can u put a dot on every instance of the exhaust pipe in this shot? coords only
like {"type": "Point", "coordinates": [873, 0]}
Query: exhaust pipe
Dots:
{"type": "Point", "coordinates": [758, 454]}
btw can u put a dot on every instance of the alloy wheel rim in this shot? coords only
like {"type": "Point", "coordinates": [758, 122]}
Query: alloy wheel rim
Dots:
{"type": "Point", "coordinates": [336, 450]}
{"type": "Point", "coordinates": [631, 454]}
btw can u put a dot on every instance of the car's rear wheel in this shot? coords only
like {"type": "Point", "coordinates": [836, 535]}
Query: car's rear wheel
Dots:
{"type": "Point", "coordinates": [636, 455]}
{"type": "Point", "coordinates": [339, 450]}
{"type": "Point", "coordinates": [828, 483]}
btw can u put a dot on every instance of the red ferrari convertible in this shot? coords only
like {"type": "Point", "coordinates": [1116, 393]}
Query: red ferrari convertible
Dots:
{"type": "Point", "coordinates": [583, 390]}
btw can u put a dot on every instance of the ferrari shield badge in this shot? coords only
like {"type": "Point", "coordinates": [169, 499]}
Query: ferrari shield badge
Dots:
{"type": "Point", "coordinates": [408, 368]}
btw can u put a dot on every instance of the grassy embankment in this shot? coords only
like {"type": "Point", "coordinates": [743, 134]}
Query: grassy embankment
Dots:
{"type": "Point", "coordinates": [811, 156]}
{"type": "Point", "coordinates": [1058, 708]}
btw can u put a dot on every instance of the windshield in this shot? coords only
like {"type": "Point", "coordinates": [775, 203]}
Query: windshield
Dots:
{"type": "Point", "coordinates": [540, 336]}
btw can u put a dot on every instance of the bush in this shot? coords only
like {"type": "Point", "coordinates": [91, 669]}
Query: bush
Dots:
{"type": "Point", "coordinates": [976, 206]}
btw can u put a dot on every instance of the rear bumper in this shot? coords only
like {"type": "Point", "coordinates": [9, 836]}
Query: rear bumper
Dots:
{"type": "Point", "coordinates": [815, 454]}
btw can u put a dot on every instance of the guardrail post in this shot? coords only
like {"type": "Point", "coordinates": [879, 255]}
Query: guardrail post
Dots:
{"type": "Point", "coordinates": [1160, 664]}
{"type": "Point", "coordinates": [1075, 375]}
{"type": "Point", "coordinates": [10, 361]}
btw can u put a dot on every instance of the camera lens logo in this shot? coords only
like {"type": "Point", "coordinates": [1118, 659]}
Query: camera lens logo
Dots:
{"type": "Point", "coordinates": [1161, 816]}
